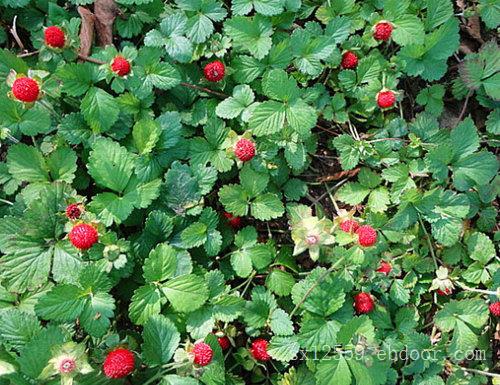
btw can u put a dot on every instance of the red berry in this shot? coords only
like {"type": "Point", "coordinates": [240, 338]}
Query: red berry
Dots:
{"type": "Point", "coordinates": [202, 354]}
{"type": "Point", "coordinates": [383, 31]}
{"type": "Point", "coordinates": [244, 149]}
{"type": "Point", "coordinates": [120, 66]}
{"type": "Point", "coordinates": [214, 71]}
{"type": "Point", "coordinates": [119, 363]}
{"type": "Point", "coordinates": [349, 226]}
{"type": "Point", "coordinates": [224, 342]}
{"type": "Point", "coordinates": [73, 211]}
{"type": "Point", "coordinates": [386, 99]}
{"type": "Point", "coordinates": [67, 365]}
{"type": "Point", "coordinates": [259, 350]}
{"type": "Point", "coordinates": [25, 89]}
{"type": "Point", "coordinates": [495, 309]}
{"type": "Point", "coordinates": [83, 236]}
{"type": "Point", "coordinates": [385, 267]}
{"type": "Point", "coordinates": [363, 303]}
{"type": "Point", "coordinates": [54, 37]}
{"type": "Point", "coordinates": [367, 236]}
{"type": "Point", "coordinates": [445, 292]}
{"type": "Point", "coordinates": [349, 60]}
{"type": "Point", "coordinates": [234, 222]}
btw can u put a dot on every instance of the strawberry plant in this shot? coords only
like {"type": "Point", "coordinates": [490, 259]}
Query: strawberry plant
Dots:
{"type": "Point", "coordinates": [285, 192]}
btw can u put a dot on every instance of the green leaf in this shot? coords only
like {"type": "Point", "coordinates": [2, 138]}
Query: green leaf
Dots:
{"type": "Point", "coordinates": [250, 34]}
{"type": "Point", "coordinates": [161, 339]}
{"type": "Point", "coordinates": [280, 322]}
{"type": "Point", "coordinates": [280, 282]}
{"type": "Point", "coordinates": [480, 248]}
{"type": "Point", "coordinates": [267, 206]}
{"type": "Point", "coordinates": [186, 293]}
{"type": "Point", "coordinates": [17, 327]}
{"type": "Point", "coordinates": [438, 12]}
{"type": "Point", "coordinates": [399, 294]}
{"type": "Point", "coordinates": [146, 133]}
{"type": "Point", "coordinates": [267, 118]}
{"type": "Point", "coordinates": [241, 263]}
{"type": "Point", "coordinates": [333, 372]}
{"type": "Point", "coordinates": [233, 106]}
{"type": "Point", "coordinates": [99, 109]}
{"type": "Point", "coordinates": [77, 78]}
{"type": "Point", "coordinates": [61, 303]}
{"type": "Point", "coordinates": [316, 334]}
{"type": "Point", "coordinates": [26, 163]}
{"type": "Point", "coordinates": [194, 235]}
{"type": "Point", "coordinates": [408, 29]}
{"type": "Point", "coordinates": [353, 193]}
{"type": "Point", "coordinates": [475, 169]}
{"type": "Point", "coordinates": [146, 301]}
{"type": "Point", "coordinates": [264, 7]}
{"type": "Point", "coordinates": [110, 165]}
{"type": "Point", "coordinates": [161, 263]}
{"type": "Point", "coordinates": [490, 13]}
{"type": "Point", "coordinates": [283, 348]}
{"type": "Point", "coordinates": [234, 199]}
{"type": "Point", "coordinates": [96, 315]}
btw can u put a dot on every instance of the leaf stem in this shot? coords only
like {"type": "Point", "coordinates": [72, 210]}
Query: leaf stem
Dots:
{"type": "Point", "coordinates": [467, 288]}
{"type": "Point", "coordinates": [431, 248]}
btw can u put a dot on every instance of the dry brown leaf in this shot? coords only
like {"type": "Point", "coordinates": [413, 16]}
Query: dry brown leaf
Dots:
{"type": "Point", "coordinates": [105, 13]}
{"type": "Point", "coordinates": [86, 31]}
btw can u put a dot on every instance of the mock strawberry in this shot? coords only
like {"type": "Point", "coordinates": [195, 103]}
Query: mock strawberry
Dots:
{"type": "Point", "coordinates": [385, 267]}
{"type": "Point", "coordinates": [244, 149]}
{"type": "Point", "coordinates": [386, 99]}
{"type": "Point", "coordinates": [367, 236]}
{"type": "Point", "coordinates": [54, 37]}
{"type": "Point", "coordinates": [224, 342]}
{"type": "Point", "coordinates": [349, 226]}
{"type": "Point", "coordinates": [349, 60]}
{"type": "Point", "coordinates": [382, 31]}
{"type": "Point", "coordinates": [73, 211]}
{"type": "Point", "coordinates": [495, 309]}
{"type": "Point", "coordinates": [25, 89]}
{"type": "Point", "coordinates": [120, 66]}
{"type": "Point", "coordinates": [214, 71]}
{"type": "Point", "coordinates": [119, 363]}
{"type": "Point", "coordinates": [445, 292]}
{"type": "Point", "coordinates": [83, 236]}
{"type": "Point", "coordinates": [234, 222]}
{"type": "Point", "coordinates": [258, 350]}
{"type": "Point", "coordinates": [202, 354]}
{"type": "Point", "coordinates": [363, 303]}
{"type": "Point", "coordinates": [67, 365]}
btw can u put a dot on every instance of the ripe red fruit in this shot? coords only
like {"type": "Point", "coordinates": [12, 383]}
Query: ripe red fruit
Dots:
{"type": "Point", "coordinates": [385, 267]}
{"type": "Point", "coordinates": [224, 342]}
{"type": "Point", "coordinates": [54, 37]}
{"type": "Point", "coordinates": [202, 354]}
{"type": "Point", "coordinates": [73, 211]}
{"type": "Point", "coordinates": [244, 149]}
{"type": "Point", "coordinates": [259, 350]}
{"type": "Point", "coordinates": [382, 31]}
{"type": "Point", "coordinates": [367, 236]}
{"type": "Point", "coordinates": [83, 236]}
{"type": "Point", "coordinates": [119, 363]}
{"type": "Point", "coordinates": [444, 293]}
{"type": "Point", "coordinates": [349, 60]}
{"type": "Point", "coordinates": [120, 66]}
{"type": "Point", "coordinates": [386, 99]}
{"type": "Point", "coordinates": [25, 89]}
{"type": "Point", "coordinates": [214, 71]}
{"type": "Point", "coordinates": [363, 303]}
{"type": "Point", "coordinates": [349, 226]}
{"type": "Point", "coordinates": [495, 309]}
{"type": "Point", "coordinates": [234, 222]}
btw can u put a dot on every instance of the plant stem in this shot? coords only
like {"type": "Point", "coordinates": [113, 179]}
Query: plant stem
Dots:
{"type": "Point", "coordinates": [481, 372]}
{"type": "Point", "coordinates": [427, 236]}
{"type": "Point", "coordinates": [465, 287]}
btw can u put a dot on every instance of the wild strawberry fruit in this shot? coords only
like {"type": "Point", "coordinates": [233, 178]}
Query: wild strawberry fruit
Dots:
{"type": "Point", "coordinates": [349, 226]}
{"type": "Point", "coordinates": [214, 71]}
{"type": "Point", "coordinates": [25, 89]}
{"type": "Point", "coordinates": [495, 309]}
{"type": "Point", "coordinates": [54, 37]}
{"type": "Point", "coordinates": [258, 350]}
{"type": "Point", "coordinates": [349, 60]}
{"type": "Point", "coordinates": [83, 236]}
{"type": "Point", "coordinates": [234, 222]}
{"type": "Point", "coordinates": [382, 31]}
{"type": "Point", "coordinates": [367, 236]}
{"type": "Point", "coordinates": [363, 303]}
{"type": "Point", "coordinates": [67, 365]}
{"type": "Point", "coordinates": [120, 66]}
{"type": "Point", "coordinates": [445, 292]}
{"type": "Point", "coordinates": [73, 211]}
{"type": "Point", "coordinates": [224, 342]}
{"type": "Point", "coordinates": [386, 99]}
{"type": "Point", "coordinates": [202, 354]}
{"type": "Point", "coordinates": [119, 363]}
{"type": "Point", "coordinates": [244, 149]}
{"type": "Point", "coordinates": [385, 267]}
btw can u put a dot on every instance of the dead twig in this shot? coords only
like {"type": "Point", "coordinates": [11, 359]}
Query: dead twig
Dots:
{"type": "Point", "coordinates": [204, 89]}
{"type": "Point", "coordinates": [13, 31]}
{"type": "Point", "coordinates": [26, 54]}
{"type": "Point", "coordinates": [86, 31]}
{"type": "Point", "coordinates": [90, 59]}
